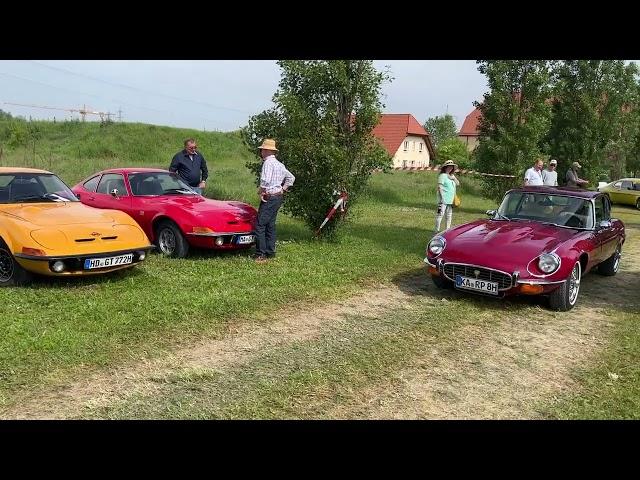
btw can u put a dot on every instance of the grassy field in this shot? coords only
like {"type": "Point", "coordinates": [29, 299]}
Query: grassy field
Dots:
{"type": "Point", "coordinates": [54, 331]}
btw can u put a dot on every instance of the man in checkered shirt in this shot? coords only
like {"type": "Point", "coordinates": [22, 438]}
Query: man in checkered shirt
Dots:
{"type": "Point", "coordinates": [275, 179]}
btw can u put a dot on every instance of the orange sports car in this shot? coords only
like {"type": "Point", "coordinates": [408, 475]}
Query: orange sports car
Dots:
{"type": "Point", "coordinates": [45, 230]}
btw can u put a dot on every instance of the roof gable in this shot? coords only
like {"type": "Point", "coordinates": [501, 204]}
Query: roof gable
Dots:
{"type": "Point", "coordinates": [393, 128]}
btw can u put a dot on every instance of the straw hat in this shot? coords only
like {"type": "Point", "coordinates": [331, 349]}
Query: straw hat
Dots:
{"type": "Point", "coordinates": [448, 163]}
{"type": "Point", "coordinates": [268, 144]}
{"type": "Point", "coordinates": [576, 165]}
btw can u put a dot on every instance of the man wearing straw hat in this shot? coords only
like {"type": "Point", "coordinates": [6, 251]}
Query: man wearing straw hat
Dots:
{"type": "Point", "coordinates": [275, 179]}
{"type": "Point", "coordinates": [447, 183]}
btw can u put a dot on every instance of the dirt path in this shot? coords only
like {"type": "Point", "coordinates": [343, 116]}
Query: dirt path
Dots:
{"type": "Point", "coordinates": [472, 373]}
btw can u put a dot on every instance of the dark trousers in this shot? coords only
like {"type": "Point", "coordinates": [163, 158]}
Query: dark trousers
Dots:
{"type": "Point", "coordinates": [266, 226]}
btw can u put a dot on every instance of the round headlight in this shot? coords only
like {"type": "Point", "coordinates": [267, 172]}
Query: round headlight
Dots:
{"type": "Point", "coordinates": [219, 241]}
{"type": "Point", "coordinates": [436, 246]}
{"type": "Point", "coordinates": [58, 266]}
{"type": "Point", "coordinates": [548, 262]}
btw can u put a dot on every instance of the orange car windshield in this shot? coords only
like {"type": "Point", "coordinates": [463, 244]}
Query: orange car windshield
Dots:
{"type": "Point", "coordinates": [33, 187]}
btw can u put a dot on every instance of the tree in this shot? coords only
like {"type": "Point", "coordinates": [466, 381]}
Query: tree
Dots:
{"type": "Point", "coordinates": [441, 128]}
{"type": "Point", "coordinates": [595, 116]}
{"type": "Point", "coordinates": [515, 118]}
{"type": "Point", "coordinates": [322, 119]}
{"type": "Point", "coordinates": [454, 149]}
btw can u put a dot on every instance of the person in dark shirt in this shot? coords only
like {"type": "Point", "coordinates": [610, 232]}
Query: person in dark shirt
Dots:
{"type": "Point", "coordinates": [191, 166]}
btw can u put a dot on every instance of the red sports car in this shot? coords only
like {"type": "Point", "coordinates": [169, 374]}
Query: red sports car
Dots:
{"type": "Point", "coordinates": [541, 241]}
{"type": "Point", "coordinates": [172, 215]}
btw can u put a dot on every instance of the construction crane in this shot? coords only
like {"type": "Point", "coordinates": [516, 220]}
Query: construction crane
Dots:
{"type": "Point", "coordinates": [82, 111]}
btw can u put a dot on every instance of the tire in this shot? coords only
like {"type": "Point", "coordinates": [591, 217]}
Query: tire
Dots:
{"type": "Point", "coordinates": [170, 240]}
{"type": "Point", "coordinates": [11, 272]}
{"type": "Point", "coordinates": [638, 203]}
{"type": "Point", "coordinates": [565, 297]}
{"type": "Point", "coordinates": [441, 282]}
{"type": "Point", "coordinates": [610, 266]}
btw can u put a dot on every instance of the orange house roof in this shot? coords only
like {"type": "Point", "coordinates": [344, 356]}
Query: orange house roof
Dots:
{"type": "Point", "coordinates": [471, 124]}
{"type": "Point", "coordinates": [393, 128]}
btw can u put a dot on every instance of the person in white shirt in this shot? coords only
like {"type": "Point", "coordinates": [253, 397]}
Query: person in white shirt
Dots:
{"type": "Point", "coordinates": [549, 174]}
{"type": "Point", "coordinates": [533, 176]}
{"type": "Point", "coordinates": [275, 180]}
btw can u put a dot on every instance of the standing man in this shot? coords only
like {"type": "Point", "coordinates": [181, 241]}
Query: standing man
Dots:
{"type": "Point", "coordinates": [275, 179]}
{"type": "Point", "coordinates": [549, 174]}
{"type": "Point", "coordinates": [533, 176]}
{"type": "Point", "coordinates": [191, 166]}
{"type": "Point", "coordinates": [572, 176]}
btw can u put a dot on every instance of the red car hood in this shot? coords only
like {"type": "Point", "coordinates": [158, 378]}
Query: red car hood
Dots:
{"type": "Point", "coordinates": [218, 214]}
{"type": "Point", "coordinates": [501, 244]}
{"type": "Point", "coordinates": [199, 205]}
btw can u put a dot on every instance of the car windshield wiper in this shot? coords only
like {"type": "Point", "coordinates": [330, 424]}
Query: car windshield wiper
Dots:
{"type": "Point", "coordinates": [55, 197]}
{"type": "Point", "coordinates": [182, 191]}
{"type": "Point", "coordinates": [31, 198]}
{"type": "Point", "coordinates": [503, 216]}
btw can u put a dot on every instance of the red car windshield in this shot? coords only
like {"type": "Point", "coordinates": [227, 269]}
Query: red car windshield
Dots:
{"type": "Point", "coordinates": [559, 210]}
{"type": "Point", "coordinates": [158, 183]}
{"type": "Point", "coordinates": [33, 187]}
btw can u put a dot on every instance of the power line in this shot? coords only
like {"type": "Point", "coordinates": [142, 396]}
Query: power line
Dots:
{"type": "Point", "coordinates": [110, 99]}
{"type": "Point", "coordinates": [114, 84]}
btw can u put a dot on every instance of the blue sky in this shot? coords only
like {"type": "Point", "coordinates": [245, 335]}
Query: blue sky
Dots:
{"type": "Point", "coordinates": [214, 94]}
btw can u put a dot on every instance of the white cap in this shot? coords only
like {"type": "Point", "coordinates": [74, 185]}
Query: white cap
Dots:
{"type": "Point", "coordinates": [553, 162]}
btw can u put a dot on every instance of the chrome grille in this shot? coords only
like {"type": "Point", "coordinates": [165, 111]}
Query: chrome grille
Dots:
{"type": "Point", "coordinates": [453, 269]}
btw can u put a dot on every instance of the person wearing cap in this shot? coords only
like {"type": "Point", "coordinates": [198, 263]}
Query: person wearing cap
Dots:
{"type": "Point", "coordinates": [533, 176]}
{"type": "Point", "coordinates": [447, 183]}
{"type": "Point", "coordinates": [275, 180]}
{"type": "Point", "coordinates": [572, 176]}
{"type": "Point", "coordinates": [549, 174]}
{"type": "Point", "coordinates": [190, 166]}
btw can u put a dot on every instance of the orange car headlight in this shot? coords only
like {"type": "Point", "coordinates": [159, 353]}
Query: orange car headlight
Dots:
{"type": "Point", "coordinates": [202, 230]}
{"type": "Point", "coordinates": [33, 251]}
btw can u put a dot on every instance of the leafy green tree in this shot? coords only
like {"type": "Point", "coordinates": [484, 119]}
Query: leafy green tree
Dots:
{"type": "Point", "coordinates": [441, 128]}
{"type": "Point", "coordinates": [515, 119]}
{"type": "Point", "coordinates": [322, 118]}
{"type": "Point", "coordinates": [595, 116]}
{"type": "Point", "coordinates": [454, 149]}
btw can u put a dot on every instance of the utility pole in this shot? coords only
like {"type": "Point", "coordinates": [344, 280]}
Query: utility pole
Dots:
{"type": "Point", "coordinates": [120, 114]}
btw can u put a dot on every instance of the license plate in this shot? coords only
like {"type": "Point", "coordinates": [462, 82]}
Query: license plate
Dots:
{"type": "Point", "coordinates": [477, 285]}
{"type": "Point", "coordinates": [244, 239]}
{"type": "Point", "coordinates": [90, 263]}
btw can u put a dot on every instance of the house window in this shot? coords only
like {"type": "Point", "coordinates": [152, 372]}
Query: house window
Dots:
{"type": "Point", "coordinates": [420, 147]}
{"type": "Point", "coordinates": [412, 162]}
{"type": "Point", "coordinates": [404, 164]}
{"type": "Point", "coordinates": [413, 146]}
{"type": "Point", "coordinates": [406, 146]}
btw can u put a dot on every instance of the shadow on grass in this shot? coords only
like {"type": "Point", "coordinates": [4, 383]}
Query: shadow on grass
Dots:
{"type": "Point", "coordinates": [45, 282]}
{"type": "Point", "coordinates": [597, 292]}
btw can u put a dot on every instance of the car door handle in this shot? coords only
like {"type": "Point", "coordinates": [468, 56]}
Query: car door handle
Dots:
{"type": "Point", "coordinates": [92, 198]}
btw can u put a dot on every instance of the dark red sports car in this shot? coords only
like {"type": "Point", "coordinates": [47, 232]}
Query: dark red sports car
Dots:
{"type": "Point", "coordinates": [541, 241]}
{"type": "Point", "coordinates": [172, 215]}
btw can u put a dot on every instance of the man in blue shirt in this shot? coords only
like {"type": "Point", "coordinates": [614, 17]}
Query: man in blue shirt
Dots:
{"type": "Point", "coordinates": [191, 166]}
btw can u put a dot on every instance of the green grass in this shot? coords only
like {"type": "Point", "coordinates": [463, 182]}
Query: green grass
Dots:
{"type": "Point", "coordinates": [609, 388]}
{"type": "Point", "coordinates": [56, 328]}
{"type": "Point", "coordinates": [304, 379]}
{"type": "Point", "coordinates": [53, 330]}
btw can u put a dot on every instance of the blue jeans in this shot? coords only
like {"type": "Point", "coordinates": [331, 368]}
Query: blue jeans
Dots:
{"type": "Point", "coordinates": [197, 190]}
{"type": "Point", "coordinates": [266, 226]}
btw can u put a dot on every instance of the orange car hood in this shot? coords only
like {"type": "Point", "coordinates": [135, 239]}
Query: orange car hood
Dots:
{"type": "Point", "coordinates": [57, 213]}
